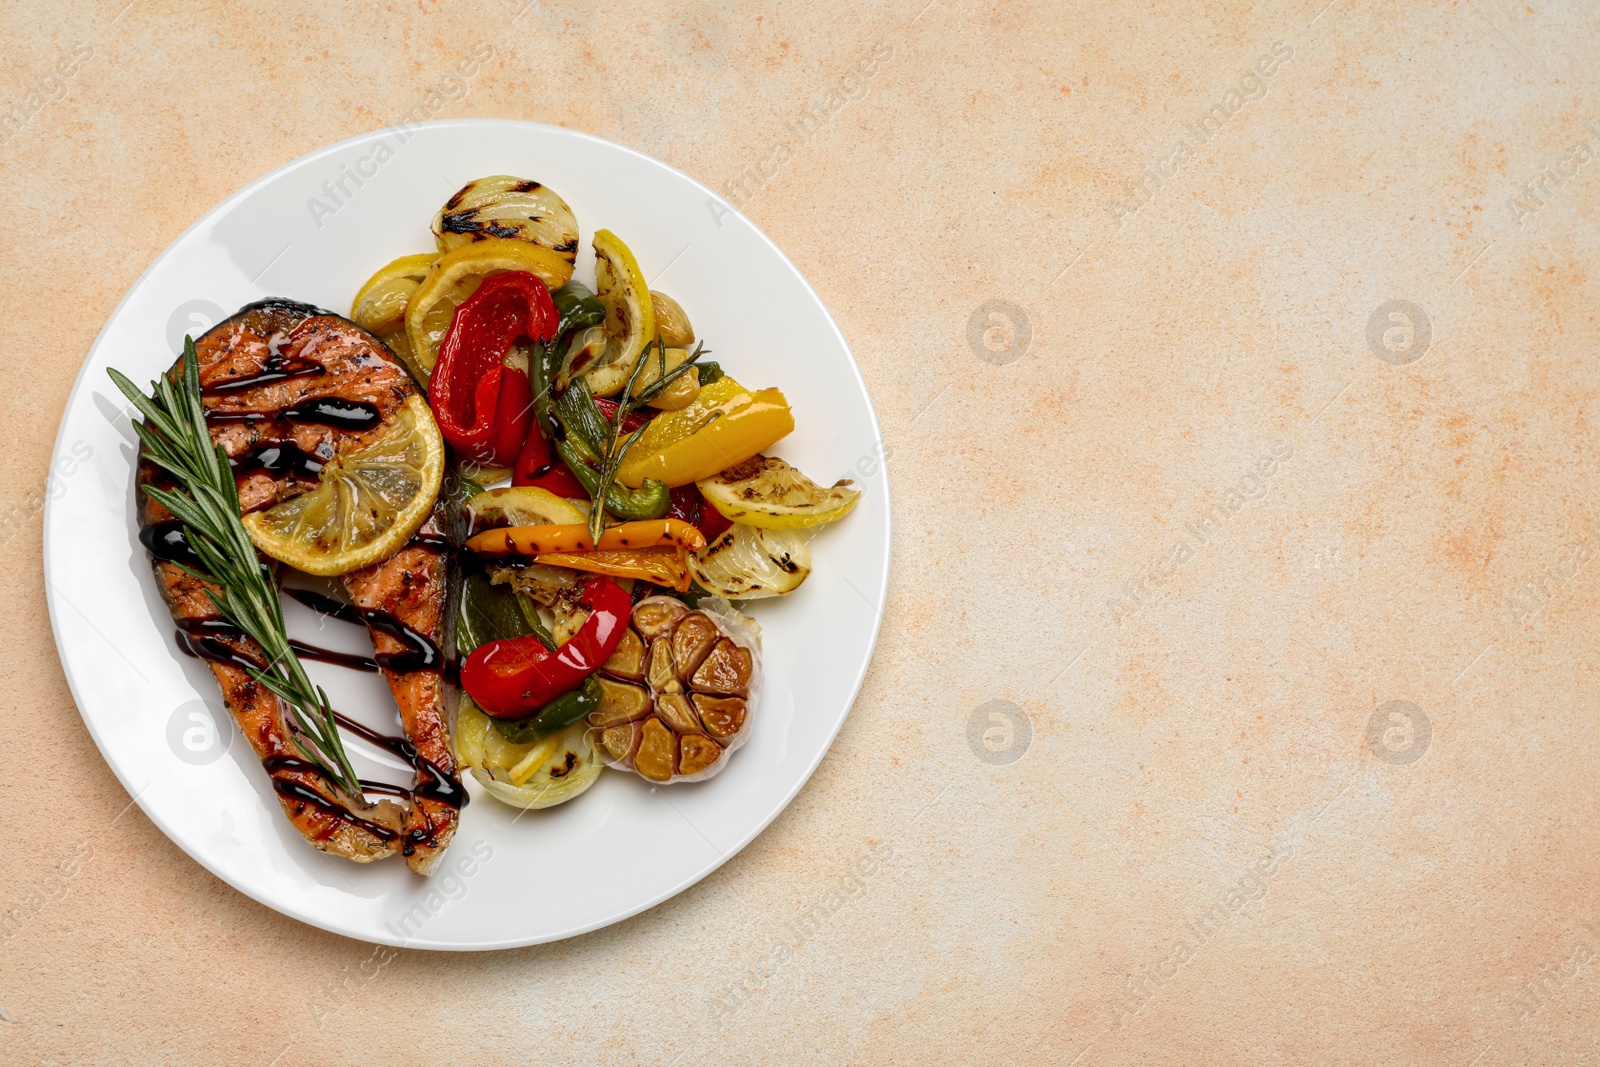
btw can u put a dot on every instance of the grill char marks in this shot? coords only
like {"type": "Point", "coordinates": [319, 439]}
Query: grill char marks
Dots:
{"type": "Point", "coordinates": [272, 373]}
{"type": "Point", "coordinates": [260, 372]}
{"type": "Point", "coordinates": [329, 820]}
{"type": "Point", "coordinates": [412, 588]}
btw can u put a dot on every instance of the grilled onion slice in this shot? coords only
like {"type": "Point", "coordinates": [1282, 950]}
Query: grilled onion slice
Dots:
{"type": "Point", "coordinates": [507, 207]}
{"type": "Point", "coordinates": [746, 562]}
{"type": "Point", "coordinates": [541, 775]}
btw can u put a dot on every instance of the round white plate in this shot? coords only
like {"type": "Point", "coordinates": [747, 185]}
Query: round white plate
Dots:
{"type": "Point", "coordinates": [313, 231]}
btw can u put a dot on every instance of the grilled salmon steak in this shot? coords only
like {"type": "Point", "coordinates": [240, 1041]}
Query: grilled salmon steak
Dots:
{"type": "Point", "coordinates": [286, 388]}
{"type": "Point", "coordinates": [404, 603]}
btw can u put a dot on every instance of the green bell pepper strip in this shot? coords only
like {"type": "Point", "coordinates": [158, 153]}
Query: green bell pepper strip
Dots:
{"type": "Point", "coordinates": [485, 614]}
{"type": "Point", "coordinates": [577, 307]}
{"type": "Point", "coordinates": [575, 429]}
{"type": "Point", "coordinates": [530, 615]}
{"type": "Point", "coordinates": [539, 382]}
{"type": "Point", "coordinates": [581, 416]}
{"type": "Point", "coordinates": [554, 717]}
{"type": "Point", "coordinates": [650, 501]}
{"type": "Point", "coordinates": [489, 612]}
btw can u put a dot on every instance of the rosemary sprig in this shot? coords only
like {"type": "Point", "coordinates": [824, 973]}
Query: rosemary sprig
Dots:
{"type": "Point", "coordinates": [176, 439]}
{"type": "Point", "coordinates": [616, 447]}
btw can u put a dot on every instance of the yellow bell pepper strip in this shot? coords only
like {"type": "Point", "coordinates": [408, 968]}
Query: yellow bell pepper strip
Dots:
{"type": "Point", "coordinates": [666, 565]}
{"type": "Point", "coordinates": [743, 426]}
{"type": "Point", "coordinates": [574, 537]}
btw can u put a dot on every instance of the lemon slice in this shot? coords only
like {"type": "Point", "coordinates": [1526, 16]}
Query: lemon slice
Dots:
{"type": "Point", "coordinates": [456, 275]}
{"type": "Point", "coordinates": [523, 505]}
{"type": "Point", "coordinates": [368, 504]}
{"type": "Point", "coordinates": [380, 306]}
{"type": "Point", "coordinates": [630, 317]}
{"type": "Point", "coordinates": [768, 493]}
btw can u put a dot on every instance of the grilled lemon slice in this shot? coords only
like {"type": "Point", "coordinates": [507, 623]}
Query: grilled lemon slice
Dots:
{"type": "Point", "coordinates": [368, 504]}
{"type": "Point", "coordinates": [630, 317]}
{"type": "Point", "coordinates": [765, 491]}
{"type": "Point", "coordinates": [457, 274]}
{"type": "Point", "coordinates": [524, 505]}
{"type": "Point", "coordinates": [380, 306]}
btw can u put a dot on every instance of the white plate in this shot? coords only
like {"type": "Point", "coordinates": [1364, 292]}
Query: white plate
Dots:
{"type": "Point", "coordinates": [313, 231]}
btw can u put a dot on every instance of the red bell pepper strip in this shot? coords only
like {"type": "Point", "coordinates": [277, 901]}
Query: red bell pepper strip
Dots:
{"type": "Point", "coordinates": [482, 406]}
{"type": "Point", "coordinates": [713, 523]}
{"type": "Point", "coordinates": [537, 467]}
{"type": "Point", "coordinates": [690, 505]}
{"type": "Point", "coordinates": [512, 678]}
{"type": "Point", "coordinates": [685, 505]}
{"type": "Point", "coordinates": [608, 408]}
{"type": "Point", "coordinates": [513, 415]}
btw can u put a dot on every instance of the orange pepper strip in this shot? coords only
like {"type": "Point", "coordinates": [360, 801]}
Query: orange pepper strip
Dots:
{"type": "Point", "coordinates": [538, 540]}
{"type": "Point", "coordinates": [663, 564]}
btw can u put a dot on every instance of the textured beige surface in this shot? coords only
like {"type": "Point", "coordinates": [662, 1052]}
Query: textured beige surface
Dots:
{"type": "Point", "coordinates": [1202, 855]}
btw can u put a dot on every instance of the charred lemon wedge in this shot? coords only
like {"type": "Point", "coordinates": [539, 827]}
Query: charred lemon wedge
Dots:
{"type": "Point", "coordinates": [457, 274]}
{"type": "Point", "coordinates": [765, 491]}
{"type": "Point", "coordinates": [630, 316]}
{"type": "Point", "coordinates": [367, 504]}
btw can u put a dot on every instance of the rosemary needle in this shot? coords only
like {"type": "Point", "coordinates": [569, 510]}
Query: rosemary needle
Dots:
{"type": "Point", "coordinates": [613, 453]}
{"type": "Point", "coordinates": [239, 582]}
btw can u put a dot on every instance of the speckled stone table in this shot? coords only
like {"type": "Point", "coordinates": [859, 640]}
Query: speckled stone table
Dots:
{"type": "Point", "coordinates": [1236, 698]}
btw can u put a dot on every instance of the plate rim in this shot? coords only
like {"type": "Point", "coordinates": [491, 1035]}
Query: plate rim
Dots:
{"type": "Point", "coordinates": [300, 914]}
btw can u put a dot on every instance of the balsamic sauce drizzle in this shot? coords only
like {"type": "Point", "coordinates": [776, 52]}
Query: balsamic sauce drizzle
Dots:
{"type": "Point", "coordinates": [431, 541]}
{"type": "Point", "coordinates": [277, 368]}
{"type": "Point", "coordinates": [293, 790]}
{"type": "Point", "coordinates": [197, 637]}
{"type": "Point", "coordinates": [326, 605]}
{"type": "Point", "coordinates": [278, 458]}
{"type": "Point", "coordinates": [352, 660]}
{"type": "Point", "coordinates": [165, 541]}
{"type": "Point", "coordinates": [201, 638]}
{"type": "Point", "coordinates": [420, 654]}
{"type": "Point", "coordinates": [440, 786]}
{"type": "Point", "coordinates": [214, 651]}
{"type": "Point", "coordinates": [354, 415]}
